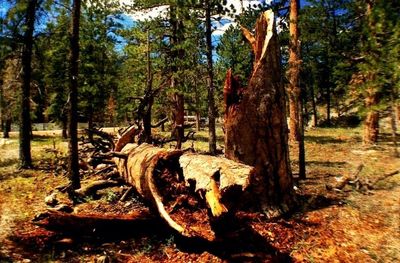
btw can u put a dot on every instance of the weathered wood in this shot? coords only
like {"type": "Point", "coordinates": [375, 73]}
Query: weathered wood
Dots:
{"type": "Point", "coordinates": [164, 179]}
{"type": "Point", "coordinates": [255, 121]}
{"type": "Point", "coordinates": [342, 182]}
{"type": "Point", "coordinates": [215, 176]}
{"type": "Point", "coordinates": [139, 169]}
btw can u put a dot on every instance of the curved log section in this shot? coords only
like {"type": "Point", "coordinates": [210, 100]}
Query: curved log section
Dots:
{"type": "Point", "coordinates": [174, 184]}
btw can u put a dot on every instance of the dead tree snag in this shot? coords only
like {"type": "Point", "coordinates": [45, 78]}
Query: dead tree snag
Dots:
{"type": "Point", "coordinates": [255, 121]}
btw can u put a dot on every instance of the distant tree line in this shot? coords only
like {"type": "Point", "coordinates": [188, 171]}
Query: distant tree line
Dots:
{"type": "Point", "coordinates": [349, 62]}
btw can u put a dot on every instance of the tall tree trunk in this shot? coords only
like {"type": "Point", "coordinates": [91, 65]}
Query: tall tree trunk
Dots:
{"type": "Point", "coordinates": [73, 159]}
{"type": "Point", "coordinates": [256, 130]}
{"type": "Point", "coordinates": [25, 157]}
{"type": "Point", "coordinates": [295, 98]}
{"type": "Point", "coordinates": [294, 73]}
{"type": "Point", "coordinates": [178, 53]}
{"type": "Point", "coordinates": [149, 96]}
{"type": "Point", "coordinates": [371, 124]}
{"type": "Point", "coordinates": [212, 141]}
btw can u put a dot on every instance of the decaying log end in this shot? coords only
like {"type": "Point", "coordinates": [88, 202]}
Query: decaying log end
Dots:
{"type": "Point", "coordinates": [215, 176]}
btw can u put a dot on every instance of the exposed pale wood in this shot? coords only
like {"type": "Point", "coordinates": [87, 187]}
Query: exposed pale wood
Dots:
{"type": "Point", "coordinates": [249, 36]}
{"type": "Point", "coordinates": [138, 170]}
{"type": "Point", "coordinates": [214, 176]}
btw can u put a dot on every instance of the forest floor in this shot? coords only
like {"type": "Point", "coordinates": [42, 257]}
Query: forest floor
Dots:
{"type": "Point", "coordinates": [329, 225]}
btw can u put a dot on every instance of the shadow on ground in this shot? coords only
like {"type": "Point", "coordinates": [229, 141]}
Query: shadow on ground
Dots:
{"type": "Point", "coordinates": [323, 139]}
{"type": "Point", "coordinates": [236, 242]}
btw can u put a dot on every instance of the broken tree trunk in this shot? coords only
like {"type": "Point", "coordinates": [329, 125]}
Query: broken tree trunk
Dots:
{"type": "Point", "coordinates": [255, 121]}
{"type": "Point", "coordinates": [175, 193]}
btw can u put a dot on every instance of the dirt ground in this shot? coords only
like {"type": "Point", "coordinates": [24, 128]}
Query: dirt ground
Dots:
{"type": "Point", "coordinates": [328, 226]}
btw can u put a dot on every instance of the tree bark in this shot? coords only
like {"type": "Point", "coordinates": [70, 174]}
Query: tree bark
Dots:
{"type": "Point", "coordinates": [212, 141]}
{"type": "Point", "coordinates": [25, 157]}
{"type": "Point", "coordinates": [178, 53]}
{"type": "Point", "coordinates": [371, 124]}
{"type": "Point", "coordinates": [294, 73]}
{"type": "Point", "coordinates": [295, 95]}
{"type": "Point", "coordinates": [73, 159]}
{"type": "Point", "coordinates": [255, 121]}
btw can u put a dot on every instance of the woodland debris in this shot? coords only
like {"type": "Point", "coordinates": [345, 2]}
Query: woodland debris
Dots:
{"type": "Point", "coordinates": [93, 187]}
{"type": "Point", "coordinates": [187, 191]}
{"type": "Point", "coordinates": [360, 184]}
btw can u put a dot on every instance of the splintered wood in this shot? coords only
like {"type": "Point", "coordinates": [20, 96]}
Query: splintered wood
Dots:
{"type": "Point", "coordinates": [181, 188]}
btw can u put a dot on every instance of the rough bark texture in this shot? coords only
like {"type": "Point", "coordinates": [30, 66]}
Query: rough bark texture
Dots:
{"type": "Point", "coordinates": [371, 125]}
{"type": "Point", "coordinates": [73, 159]}
{"type": "Point", "coordinates": [255, 121]}
{"type": "Point", "coordinates": [25, 119]}
{"type": "Point", "coordinates": [294, 73]}
{"type": "Point", "coordinates": [294, 90]}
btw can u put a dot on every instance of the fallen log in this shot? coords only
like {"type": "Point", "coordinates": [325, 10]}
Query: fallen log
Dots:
{"type": "Point", "coordinates": [191, 193]}
{"type": "Point", "coordinates": [173, 185]}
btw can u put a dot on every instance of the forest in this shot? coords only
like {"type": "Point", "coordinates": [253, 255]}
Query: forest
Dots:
{"type": "Point", "coordinates": [199, 131]}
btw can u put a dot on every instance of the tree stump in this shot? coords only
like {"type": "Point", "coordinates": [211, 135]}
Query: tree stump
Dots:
{"type": "Point", "coordinates": [255, 124]}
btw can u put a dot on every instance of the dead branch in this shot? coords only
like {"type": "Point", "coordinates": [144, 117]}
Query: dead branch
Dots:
{"type": "Point", "coordinates": [126, 194]}
{"type": "Point", "coordinates": [342, 182]}
{"type": "Point", "coordinates": [93, 187]}
{"type": "Point", "coordinates": [161, 122]}
{"type": "Point", "coordinates": [360, 184]}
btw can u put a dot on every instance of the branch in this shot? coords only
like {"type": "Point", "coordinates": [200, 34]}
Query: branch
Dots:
{"type": "Point", "coordinates": [93, 187]}
{"type": "Point", "coordinates": [161, 122]}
